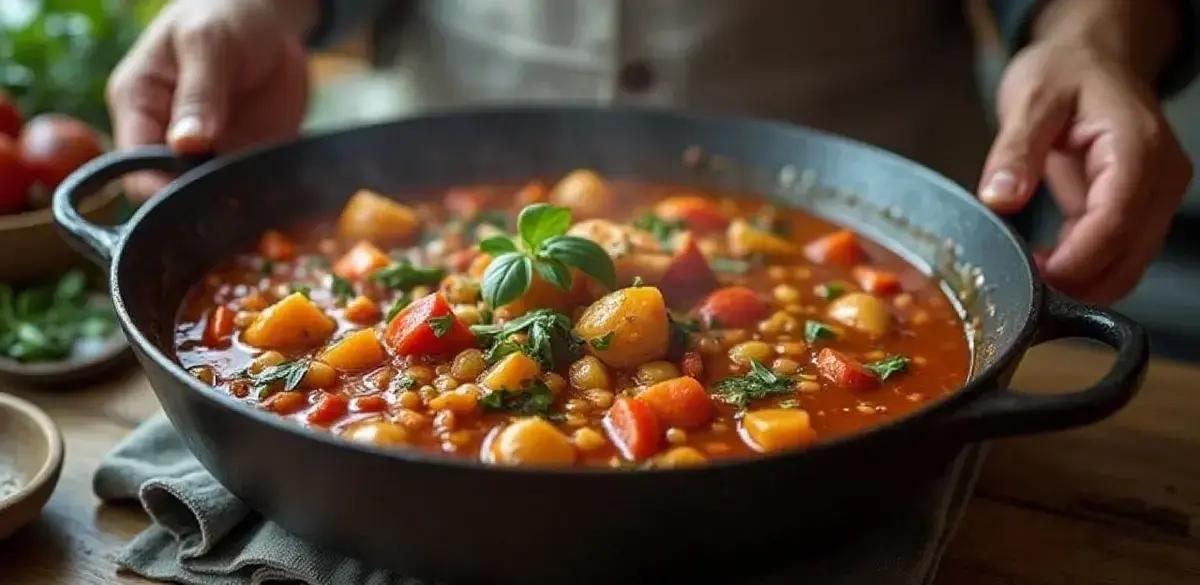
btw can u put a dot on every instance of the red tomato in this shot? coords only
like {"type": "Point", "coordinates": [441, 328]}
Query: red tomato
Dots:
{"type": "Point", "coordinates": [688, 277]}
{"type": "Point", "coordinates": [692, 364]}
{"type": "Point", "coordinates": [54, 145]}
{"type": "Point", "coordinates": [10, 117]}
{"type": "Point", "coordinates": [633, 428]}
{"type": "Point", "coordinates": [876, 281]}
{"type": "Point", "coordinates": [15, 179]}
{"type": "Point", "coordinates": [701, 214]}
{"type": "Point", "coordinates": [733, 306]}
{"type": "Point", "coordinates": [276, 246]}
{"type": "Point", "coordinates": [845, 371]}
{"type": "Point", "coordinates": [218, 329]}
{"type": "Point", "coordinates": [412, 332]}
{"type": "Point", "coordinates": [840, 247]}
{"type": "Point", "coordinates": [329, 408]}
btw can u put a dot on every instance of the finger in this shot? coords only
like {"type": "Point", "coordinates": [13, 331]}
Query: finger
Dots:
{"type": "Point", "coordinates": [1067, 180]}
{"type": "Point", "coordinates": [1028, 130]}
{"type": "Point", "coordinates": [202, 88]}
{"type": "Point", "coordinates": [139, 103]}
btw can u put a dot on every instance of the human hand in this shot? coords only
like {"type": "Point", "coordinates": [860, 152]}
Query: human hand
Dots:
{"type": "Point", "coordinates": [1089, 124]}
{"type": "Point", "coordinates": [212, 75]}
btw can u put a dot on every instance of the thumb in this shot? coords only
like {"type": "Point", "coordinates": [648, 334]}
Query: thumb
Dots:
{"type": "Point", "coordinates": [202, 90]}
{"type": "Point", "coordinates": [1029, 128]}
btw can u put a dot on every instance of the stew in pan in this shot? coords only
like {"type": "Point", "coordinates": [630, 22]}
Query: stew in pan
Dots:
{"type": "Point", "coordinates": [591, 322]}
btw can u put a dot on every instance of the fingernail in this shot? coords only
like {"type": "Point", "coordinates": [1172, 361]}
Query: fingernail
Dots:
{"type": "Point", "coordinates": [1000, 189]}
{"type": "Point", "coordinates": [187, 127]}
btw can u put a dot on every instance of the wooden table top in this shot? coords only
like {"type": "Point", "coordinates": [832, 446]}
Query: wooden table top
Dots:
{"type": "Point", "coordinates": [1115, 503]}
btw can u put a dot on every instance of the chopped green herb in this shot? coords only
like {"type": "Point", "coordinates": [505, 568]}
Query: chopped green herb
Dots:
{"type": "Point", "coordinates": [398, 305]}
{"type": "Point", "coordinates": [300, 287]}
{"type": "Point", "coordinates": [43, 323]}
{"type": "Point", "coordinates": [406, 382]}
{"type": "Point", "coordinates": [602, 342]}
{"type": "Point", "coordinates": [729, 265]}
{"type": "Point", "coordinates": [441, 325]}
{"type": "Point", "coordinates": [680, 329]}
{"type": "Point", "coordinates": [342, 289]}
{"type": "Point", "coordinates": [289, 373]}
{"type": "Point", "coordinates": [549, 336]}
{"type": "Point", "coordinates": [814, 330]}
{"type": "Point", "coordinates": [759, 383]}
{"type": "Point", "coordinates": [889, 366]}
{"type": "Point", "coordinates": [486, 316]}
{"type": "Point", "coordinates": [830, 290]}
{"type": "Point", "coordinates": [789, 403]}
{"type": "Point", "coordinates": [266, 267]}
{"type": "Point", "coordinates": [663, 230]}
{"type": "Point", "coordinates": [403, 276]}
{"type": "Point", "coordinates": [533, 399]}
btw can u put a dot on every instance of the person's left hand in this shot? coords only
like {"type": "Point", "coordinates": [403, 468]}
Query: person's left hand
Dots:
{"type": "Point", "coordinates": [1093, 129]}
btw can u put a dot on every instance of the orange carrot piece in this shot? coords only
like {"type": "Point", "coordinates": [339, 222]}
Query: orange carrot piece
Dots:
{"type": "Point", "coordinates": [277, 247]}
{"type": "Point", "coordinates": [876, 281]}
{"type": "Point", "coordinates": [845, 371]}
{"type": "Point", "coordinates": [369, 403]}
{"type": "Point", "coordinates": [363, 259]}
{"type": "Point", "coordinates": [701, 214]}
{"type": "Point", "coordinates": [633, 428]}
{"type": "Point", "coordinates": [733, 306]}
{"type": "Point", "coordinates": [285, 402]}
{"type": "Point", "coordinates": [218, 328]}
{"type": "Point", "coordinates": [679, 402]}
{"type": "Point", "coordinates": [362, 310]}
{"type": "Point", "coordinates": [840, 247]}
{"type": "Point", "coordinates": [329, 408]}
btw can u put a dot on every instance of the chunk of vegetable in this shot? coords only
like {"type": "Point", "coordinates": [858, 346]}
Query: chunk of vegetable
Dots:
{"type": "Point", "coordinates": [277, 247]}
{"type": "Point", "coordinates": [358, 350]}
{"type": "Point", "coordinates": [689, 277]}
{"type": "Point", "coordinates": [511, 372]}
{"type": "Point", "coordinates": [876, 281]}
{"type": "Point", "coordinates": [218, 326]}
{"type": "Point", "coordinates": [733, 307]}
{"type": "Point", "coordinates": [634, 428]}
{"type": "Point", "coordinates": [650, 267]}
{"type": "Point", "coordinates": [415, 329]}
{"type": "Point", "coordinates": [777, 429]}
{"type": "Point", "coordinates": [862, 311]}
{"type": "Point", "coordinates": [635, 322]}
{"type": "Point", "coordinates": [584, 192]}
{"type": "Point", "coordinates": [701, 214]}
{"type": "Point", "coordinates": [328, 408]}
{"type": "Point", "coordinates": [532, 441]}
{"type": "Point", "coordinates": [680, 457]}
{"type": "Point", "coordinates": [544, 295]}
{"type": "Point", "coordinates": [840, 247]}
{"type": "Point", "coordinates": [745, 239]}
{"type": "Point", "coordinates": [681, 402]}
{"type": "Point", "coordinates": [371, 216]}
{"type": "Point", "coordinates": [845, 371]}
{"type": "Point", "coordinates": [363, 310]}
{"type": "Point", "coordinates": [293, 322]}
{"type": "Point", "coordinates": [466, 202]}
{"type": "Point", "coordinates": [377, 432]}
{"type": "Point", "coordinates": [363, 259]}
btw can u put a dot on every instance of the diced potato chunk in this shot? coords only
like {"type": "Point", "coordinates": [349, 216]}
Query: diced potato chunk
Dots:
{"type": "Point", "coordinates": [862, 311]}
{"type": "Point", "coordinates": [293, 322]}
{"type": "Point", "coordinates": [745, 239]}
{"type": "Point", "coordinates": [636, 318]}
{"type": "Point", "coordinates": [777, 429]}
{"type": "Point", "coordinates": [532, 441]}
{"type": "Point", "coordinates": [371, 216]}
{"type": "Point", "coordinates": [680, 457]}
{"type": "Point", "coordinates": [377, 432]}
{"type": "Point", "coordinates": [584, 192]}
{"type": "Point", "coordinates": [511, 372]}
{"type": "Point", "coordinates": [358, 350]}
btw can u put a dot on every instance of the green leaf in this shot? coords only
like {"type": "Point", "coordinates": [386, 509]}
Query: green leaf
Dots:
{"type": "Point", "coordinates": [757, 384]}
{"type": "Point", "coordinates": [533, 399]}
{"type": "Point", "coordinates": [398, 305]}
{"type": "Point", "coordinates": [554, 272]}
{"type": "Point", "coordinates": [680, 330]}
{"type": "Point", "coordinates": [71, 287]}
{"type": "Point", "coordinates": [602, 342]}
{"type": "Point", "coordinates": [441, 325]}
{"type": "Point", "coordinates": [497, 245]}
{"type": "Point", "coordinates": [542, 221]}
{"type": "Point", "coordinates": [506, 278]}
{"type": "Point", "coordinates": [583, 254]}
{"type": "Point", "coordinates": [830, 290]}
{"type": "Point", "coordinates": [267, 267]}
{"type": "Point", "coordinates": [403, 276]}
{"type": "Point", "coordinates": [342, 289]}
{"type": "Point", "coordinates": [815, 330]}
{"type": "Point", "coordinates": [300, 287]}
{"type": "Point", "coordinates": [406, 382]}
{"type": "Point", "coordinates": [289, 373]}
{"type": "Point", "coordinates": [549, 337]}
{"type": "Point", "coordinates": [889, 366]}
{"type": "Point", "coordinates": [663, 230]}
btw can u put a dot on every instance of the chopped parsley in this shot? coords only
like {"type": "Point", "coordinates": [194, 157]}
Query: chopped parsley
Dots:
{"type": "Point", "coordinates": [888, 366]}
{"type": "Point", "coordinates": [267, 267]}
{"type": "Point", "coordinates": [533, 399]}
{"type": "Point", "coordinates": [398, 305]}
{"type": "Point", "coordinates": [342, 289]}
{"type": "Point", "coordinates": [406, 382]}
{"type": "Point", "coordinates": [830, 290]}
{"type": "Point", "coordinates": [663, 230]}
{"type": "Point", "coordinates": [441, 325]}
{"type": "Point", "coordinates": [403, 276]}
{"type": "Point", "coordinates": [680, 329]}
{"type": "Point", "coordinates": [602, 342]}
{"type": "Point", "coordinates": [814, 330]}
{"type": "Point", "coordinates": [759, 383]}
{"type": "Point", "coordinates": [290, 373]}
{"type": "Point", "coordinates": [300, 287]}
{"type": "Point", "coordinates": [549, 335]}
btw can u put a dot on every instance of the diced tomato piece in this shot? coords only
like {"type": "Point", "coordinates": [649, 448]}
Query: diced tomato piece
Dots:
{"type": "Point", "coordinates": [369, 403]}
{"type": "Point", "coordinates": [689, 277]}
{"type": "Point", "coordinates": [845, 371]}
{"type": "Point", "coordinates": [840, 247]}
{"type": "Point", "coordinates": [411, 333]}
{"type": "Point", "coordinates": [733, 306]}
{"type": "Point", "coordinates": [466, 202]}
{"type": "Point", "coordinates": [329, 408]}
{"type": "Point", "coordinates": [692, 364]}
{"type": "Point", "coordinates": [275, 246]}
{"type": "Point", "coordinates": [363, 259]}
{"type": "Point", "coordinates": [701, 214]}
{"type": "Point", "coordinates": [876, 281]}
{"type": "Point", "coordinates": [633, 428]}
{"type": "Point", "coordinates": [285, 402]}
{"type": "Point", "coordinates": [679, 402]}
{"type": "Point", "coordinates": [218, 327]}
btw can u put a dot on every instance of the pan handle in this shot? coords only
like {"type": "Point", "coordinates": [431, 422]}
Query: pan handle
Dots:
{"type": "Point", "coordinates": [98, 242]}
{"type": "Point", "coordinates": [1010, 412]}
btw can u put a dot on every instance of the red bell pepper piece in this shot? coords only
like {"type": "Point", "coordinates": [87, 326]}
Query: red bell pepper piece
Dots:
{"type": "Point", "coordinates": [412, 333]}
{"type": "Point", "coordinates": [845, 371]}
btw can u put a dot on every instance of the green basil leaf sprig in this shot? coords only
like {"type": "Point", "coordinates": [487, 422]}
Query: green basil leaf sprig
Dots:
{"type": "Point", "coordinates": [541, 247]}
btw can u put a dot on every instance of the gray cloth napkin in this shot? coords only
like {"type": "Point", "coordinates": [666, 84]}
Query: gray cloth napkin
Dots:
{"type": "Point", "coordinates": [203, 535]}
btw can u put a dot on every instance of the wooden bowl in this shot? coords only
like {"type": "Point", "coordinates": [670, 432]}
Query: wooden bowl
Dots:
{"type": "Point", "coordinates": [33, 249]}
{"type": "Point", "coordinates": [31, 457]}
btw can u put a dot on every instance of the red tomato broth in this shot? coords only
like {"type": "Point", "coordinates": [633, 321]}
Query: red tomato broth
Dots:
{"type": "Point", "coordinates": [926, 327]}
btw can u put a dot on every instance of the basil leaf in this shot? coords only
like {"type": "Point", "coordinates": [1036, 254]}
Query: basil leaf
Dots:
{"type": "Point", "coordinates": [814, 330]}
{"type": "Point", "coordinates": [403, 276]}
{"type": "Point", "coordinates": [506, 278]}
{"type": "Point", "coordinates": [760, 382]}
{"type": "Point", "coordinates": [441, 325]}
{"type": "Point", "coordinates": [290, 373]}
{"type": "Point", "coordinates": [888, 366]}
{"type": "Point", "coordinates": [497, 245]}
{"type": "Point", "coordinates": [602, 342]}
{"type": "Point", "coordinates": [398, 305]}
{"type": "Point", "coordinates": [542, 221]}
{"type": "Point", "coordinates": [554, 272]}
{"type": "Point", "coordinates": [583, 254]}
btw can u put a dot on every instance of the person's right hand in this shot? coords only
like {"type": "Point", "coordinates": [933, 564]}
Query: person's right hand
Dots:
{"type": "Point", "coordinates": [212, 75]}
